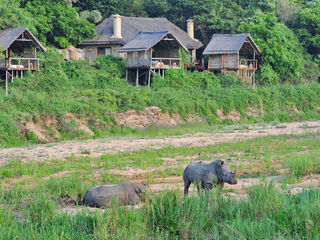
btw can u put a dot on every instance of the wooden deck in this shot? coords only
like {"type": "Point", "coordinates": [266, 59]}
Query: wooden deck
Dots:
{"type": "Point", "coordinates": [165, 63]}
{"type": "Point", "coordinates": [22, 64]}
{"type": "Point", "coordinates": [248, 64]}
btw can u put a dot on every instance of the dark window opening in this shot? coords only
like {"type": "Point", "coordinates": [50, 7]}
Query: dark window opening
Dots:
{"type": "Point", "coordinates": [103, 51]}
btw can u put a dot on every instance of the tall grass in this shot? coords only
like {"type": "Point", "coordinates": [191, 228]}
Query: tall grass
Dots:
{"type": "Point", "coordinates": [268, 213]}
{"type": "Point", "coordinates": [304, 164]}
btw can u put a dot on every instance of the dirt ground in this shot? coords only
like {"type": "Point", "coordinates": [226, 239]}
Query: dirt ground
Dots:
{"type": "Point", "coordinates": [98, 147]}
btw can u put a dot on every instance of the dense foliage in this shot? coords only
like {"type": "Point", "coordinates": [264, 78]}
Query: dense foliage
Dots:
{"type": "Point", "coordinates": [287, 31]}
{"type": "Point", "coordinates": [95, 90]}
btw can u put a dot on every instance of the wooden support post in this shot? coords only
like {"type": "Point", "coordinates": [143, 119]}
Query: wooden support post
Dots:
{"type": "Point", "coordinates": [137, 78]}
{"type": "Point", "coordinates": [127, 74]}
{"type": "Point", "coordinates": [149, 77]}
{"type": "Point", "coordinates": [162, 73]}
{"type": "Point", "coordinates": [222, 63]}
{"type": "Point", "coordinates": [12, 76]}
{"type": "Point", "coordinates": [21, 74]}
{"type": "Point", "coordinates": [6, 83]}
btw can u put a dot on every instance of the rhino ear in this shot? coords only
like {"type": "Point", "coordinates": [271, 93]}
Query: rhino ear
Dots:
{"type": "Point", "coordinates": [221, 163]}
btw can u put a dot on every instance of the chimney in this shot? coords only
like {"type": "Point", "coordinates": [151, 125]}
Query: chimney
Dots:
{"type": "Point", "coordinates": [190, 28]}
{"type": "Point", "coordinates": [117, 26]}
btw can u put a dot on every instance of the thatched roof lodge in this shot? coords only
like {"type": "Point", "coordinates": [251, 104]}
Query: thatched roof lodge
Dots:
{"type": "Point", "coordinates": [19, 47]}
{"type": "Point", "coordinates": [116, 31]}
{"type": "Point", "coordinates": [155, 50]}
{"type": "Point", "coordinates": [233, 52]}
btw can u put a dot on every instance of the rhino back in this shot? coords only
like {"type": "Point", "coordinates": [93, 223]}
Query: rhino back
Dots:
{"type": "Point", "coordinates": [206, 172]}
{"type": "Point", "coordinates": [101, 196]}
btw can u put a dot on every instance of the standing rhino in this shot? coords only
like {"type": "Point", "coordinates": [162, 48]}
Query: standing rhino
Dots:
{"type": "Point", "coordinates": [208, 174]}
{"type": "Point", "coordinates": [124, 194]}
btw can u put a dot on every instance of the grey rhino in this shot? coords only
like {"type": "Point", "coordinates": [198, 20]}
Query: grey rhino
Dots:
{"type": "Point", "coordinates": [124, 194]}
{"type": "Point", "coordinates": [208, 174]}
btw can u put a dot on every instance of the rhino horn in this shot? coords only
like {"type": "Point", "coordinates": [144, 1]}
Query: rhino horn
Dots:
{"type": "Point", "coordinates": [235, 171]}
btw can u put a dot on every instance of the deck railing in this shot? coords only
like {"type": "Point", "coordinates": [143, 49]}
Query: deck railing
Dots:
{"type": "Point", "coordinates": [165, 63]}
{"type": "Point", "coordinates": [23, 64]}
{"type": "Point", "coordinates": [248, 64]}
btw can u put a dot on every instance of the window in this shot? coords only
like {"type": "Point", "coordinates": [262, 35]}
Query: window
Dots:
{"type": "Point", "coordinates": [103, 51]}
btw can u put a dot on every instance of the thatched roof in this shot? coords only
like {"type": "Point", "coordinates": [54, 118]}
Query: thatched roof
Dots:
{"type": "Point", "coordinates": [131, 26]}
{"type": "Point", "coordinates": [228, 43]}
{"type": "Point", "coordinates": [146, 40]}
{"type": "Point", "coordinates": [9, 35]}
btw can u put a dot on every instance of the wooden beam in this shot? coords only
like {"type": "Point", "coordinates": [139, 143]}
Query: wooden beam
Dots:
{"type": "Point", "coordinates": [6, 83]}
{"type": "Point", "coordinates": [149, 78]}
{"type": "Point", "coordinates": [222, 63]}
{"type": "Point", "coordinates": [137, 78]}
{"type": "Point", "coordinates": [127, 74]}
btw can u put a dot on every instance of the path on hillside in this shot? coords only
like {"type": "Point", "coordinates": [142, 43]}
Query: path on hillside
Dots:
{"type": "Point", "coordinates": [98, 147]}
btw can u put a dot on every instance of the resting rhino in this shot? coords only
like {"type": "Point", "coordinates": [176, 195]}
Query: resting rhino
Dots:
{"type": "Point", "coordinates": [208, 174]}
{"type": "Point", "coordinates": [127, 193]}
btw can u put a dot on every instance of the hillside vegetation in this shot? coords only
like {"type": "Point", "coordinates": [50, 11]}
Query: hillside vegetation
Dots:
{"type": "Point", "coordinates": [73, 100]}
{"type": "Point", "coordinates": [92, 91]}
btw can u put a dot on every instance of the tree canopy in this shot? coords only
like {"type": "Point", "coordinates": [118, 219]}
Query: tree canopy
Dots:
{"type": "Point", "coordinates": [287, 31]}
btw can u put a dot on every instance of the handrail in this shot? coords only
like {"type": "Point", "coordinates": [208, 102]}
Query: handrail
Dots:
{"type": "Point", "coordinates": [16, 58]}
{"type": "Point", "coordinates": [27, 63]}
{"type": "Point", "coordinates": [252, 60]}
{"type": "Point", "coordinates": [167, 59]}
{"type": "Point", "coordinates": [166, 62]}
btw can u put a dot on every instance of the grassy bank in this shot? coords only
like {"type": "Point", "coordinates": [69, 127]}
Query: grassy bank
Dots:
{"type": "Point", "coordinates": [92, 91]}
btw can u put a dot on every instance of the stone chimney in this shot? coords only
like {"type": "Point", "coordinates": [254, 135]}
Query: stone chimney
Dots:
{"type": "Point", "coordinates": [117, 26]}
{"type": "Point", "coordinates": [190, 28]}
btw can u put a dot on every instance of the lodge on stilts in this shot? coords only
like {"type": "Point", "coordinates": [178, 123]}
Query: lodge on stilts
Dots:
{"type": "Point", "coordinates": [19, 53]}
{"type": "Point", "coordinates": [233, 53]}
{"type": "Point", "coordinates": [153, 52]}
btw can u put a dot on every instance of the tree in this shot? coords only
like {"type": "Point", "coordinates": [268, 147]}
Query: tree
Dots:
{"type": "Point", "coordinates": [11, 15]}
{"type": "Point", "coordinates": [108, 7]}
{"type": "Point", "coordinates": [307, 27]}
{"type": "Point", "coordinates": [281, 50]}
{"type": "Point", "coordinates": [58, 23]}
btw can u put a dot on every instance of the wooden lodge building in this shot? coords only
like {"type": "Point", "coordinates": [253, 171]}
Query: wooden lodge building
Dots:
{"type": "Point", "coordinates": [151, 52]}
{"type": "Point", "coordinates": [117, 31]}
{"type": "Point", "coordinates": [233, 52]}
{"type": "Point", "coordinates": [19, 48]}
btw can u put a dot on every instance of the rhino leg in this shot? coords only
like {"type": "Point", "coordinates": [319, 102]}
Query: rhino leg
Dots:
{"type": "Point", "coordinates": [221, 185]}
{"type": "Point", "coordinates": [186, 186]}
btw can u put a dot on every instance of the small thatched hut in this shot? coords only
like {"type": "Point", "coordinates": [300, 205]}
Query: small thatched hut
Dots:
{"type": "Point", "coordinates": [233, 52]}
{"type": "Point", "coordinates": [154, 52]}
{"type": "Point", "coordinates": [19, 53]}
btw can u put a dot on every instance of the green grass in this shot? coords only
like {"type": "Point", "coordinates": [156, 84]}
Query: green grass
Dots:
{"type": "Point", "coordinates": [304, 164]}
{"type": "Point", "coordinates": [268, 213]}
